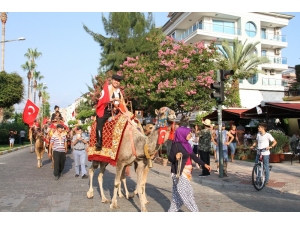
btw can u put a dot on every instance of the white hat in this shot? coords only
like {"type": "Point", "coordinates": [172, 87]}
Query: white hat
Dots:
{"type": "Point", "coordinates": [207, 122]}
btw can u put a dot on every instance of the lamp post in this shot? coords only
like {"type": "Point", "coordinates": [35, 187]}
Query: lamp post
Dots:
{"type": "Point", "coordinates": [3, 41]}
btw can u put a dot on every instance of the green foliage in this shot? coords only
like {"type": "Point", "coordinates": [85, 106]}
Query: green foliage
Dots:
{"type": "Point", "coordinates": [199, 117]}
{"type": "Point", "coordinates": [8, 113]}
{"type": "Point", "coordinates": [176, 75]}
{"type": "Point", "coordinates": [84, 114]}
{"type": "Point", "coordinates": [282, 140]}
{"type": "Point", "coordinates": [297, 71]}
{"type": "Point", "coordinates": [126, 33]}
{"type": "Point", "coordinates": [243, 61]}
{"type": "Point", "coordinates": [6, 127]}
{"type": "Point", "coordinates": [12, 89]}
{"type": "Point", "coordinates": [72, 123]}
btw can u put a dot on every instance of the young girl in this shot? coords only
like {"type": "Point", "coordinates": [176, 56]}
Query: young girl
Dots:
{"type": "Point", "coordinates": [232, 145]}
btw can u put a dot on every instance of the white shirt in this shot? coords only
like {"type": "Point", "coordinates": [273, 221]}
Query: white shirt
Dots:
{"type": "Point", "coordinates": [263, 141]}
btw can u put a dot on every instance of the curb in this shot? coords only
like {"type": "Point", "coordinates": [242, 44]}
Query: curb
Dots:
{"type": "Point", "coordinates": [12, 150]}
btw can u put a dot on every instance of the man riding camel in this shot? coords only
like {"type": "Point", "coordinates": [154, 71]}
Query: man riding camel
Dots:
{"type": "Point", "coordinates": [110, 93]}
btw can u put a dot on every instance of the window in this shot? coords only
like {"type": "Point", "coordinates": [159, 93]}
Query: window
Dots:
{"type": "Point", "coordinates": [173, 35]}
{"type": "Point", "coordinates": [223, 27]}
{"type": "Point", "coordinates": [253, 79]}
{"type": "Point", "coordinates": [250, 29]}
{"type": "Point", "coordinates": [263, 33]}
{"type": "Point", "coordinates": [263, 52]}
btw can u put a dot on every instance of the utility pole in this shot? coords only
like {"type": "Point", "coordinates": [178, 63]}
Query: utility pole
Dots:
{"type": "Point", "coordinates": [219, 96]}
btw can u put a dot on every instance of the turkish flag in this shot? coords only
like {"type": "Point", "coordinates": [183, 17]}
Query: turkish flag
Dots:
{"type": "Point", "coordinates": [161, 135]}
{"type": "Point", "coordinates": [103, 100]}
{"type": "Point", "coordinates": [30, 112]}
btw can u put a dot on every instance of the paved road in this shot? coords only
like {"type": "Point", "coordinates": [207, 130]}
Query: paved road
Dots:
{"type": "Point", "coordinates": [26, 188]}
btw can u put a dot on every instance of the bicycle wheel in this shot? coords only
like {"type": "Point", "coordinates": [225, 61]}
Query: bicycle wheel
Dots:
{"type": "Point", "coordinates": [258, 177]}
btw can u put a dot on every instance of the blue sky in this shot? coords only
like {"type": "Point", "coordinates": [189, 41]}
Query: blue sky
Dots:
{"type": "Point", "coordinates": [70, 56]}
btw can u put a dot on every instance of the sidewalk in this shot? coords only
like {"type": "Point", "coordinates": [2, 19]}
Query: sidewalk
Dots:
{"type": "Point", "coordinates": [13, 149]}
{"type": "Point", "coordinates": [283, 176]}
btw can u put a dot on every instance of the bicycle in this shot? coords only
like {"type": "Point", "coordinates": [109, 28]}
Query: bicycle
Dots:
{"type": "Point", "coordinates": [259, 172]}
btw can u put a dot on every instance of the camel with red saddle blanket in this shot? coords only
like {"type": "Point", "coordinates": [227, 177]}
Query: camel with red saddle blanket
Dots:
{"type": "Point", "coordinates": [133, 147]}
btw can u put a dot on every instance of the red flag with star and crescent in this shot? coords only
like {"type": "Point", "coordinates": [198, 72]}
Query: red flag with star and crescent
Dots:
{"type": "Point", "coordinates": [103, 100]}
{"type": "Point", "coordinates": [30, 112]}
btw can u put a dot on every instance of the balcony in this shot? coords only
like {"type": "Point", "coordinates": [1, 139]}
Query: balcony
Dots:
{"type": "Point", "coordinates": [268, 40]}
{"type": "Point", "coordinates": [273, 37]}
{"type": "Point", "coordinates": [277, 63]}
{"type": "Point", "coordinates": [273, 82]}
{"type": "Point", "coordinates": [214, 29]}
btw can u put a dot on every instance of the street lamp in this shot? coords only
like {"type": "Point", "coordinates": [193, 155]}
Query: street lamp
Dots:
{"type": "Point", "coordinates": [19, 39]}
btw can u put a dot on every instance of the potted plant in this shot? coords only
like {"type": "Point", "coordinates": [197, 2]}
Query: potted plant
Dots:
{"type": "Point", "coordinates": [164, 159]}
{"type": "Point", "coordinates": [282, 141]}
{"type": "Point", "coordinates": [243, 155]}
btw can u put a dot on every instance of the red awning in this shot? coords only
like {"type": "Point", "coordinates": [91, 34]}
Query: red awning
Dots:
{"type": "Point", "coordinates": [227, 114]}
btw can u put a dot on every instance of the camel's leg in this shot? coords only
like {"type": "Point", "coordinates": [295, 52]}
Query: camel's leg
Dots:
{"type": "Point", "coordinates": [143, 184]}
{"type": "Point", "coordinates": [90, 193]}
{"type": "Point", "coordinates": [38, 157]}
{"type": "Point", "coordinates": [140, 188]}
{"type": "Point", "coordinates": [123, 179]}
{"type": "Point", "coordinates": [100, 181]}
{"type": "Point", "coordinates": [42, 153]}
{"type": "Point", "coordinates": [117, 184]}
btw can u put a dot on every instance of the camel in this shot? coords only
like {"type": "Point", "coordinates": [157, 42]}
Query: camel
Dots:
{"type": "Point", "coordinates": [144, 147]}
{"type": "Point", "coordinates": [39, 149]}
{"type": "Point", "coordinates": [31, 132]}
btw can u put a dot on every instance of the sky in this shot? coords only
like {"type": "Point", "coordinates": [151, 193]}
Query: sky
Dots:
{"type": "Point", "coordinates": [70, 56]}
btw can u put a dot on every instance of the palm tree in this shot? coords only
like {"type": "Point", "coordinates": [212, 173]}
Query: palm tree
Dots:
{"type": "Point", "coordinates": [36, 77]}
{"type": "Point", "coordinates": [31, 55]}
{"type": "Point", "coordinates": [3, 20]}
{"type": "Point", "coordinates": [41, 87]}
{"type": "Point", "coordinates": [27, 66]}
{"type": "Point", "coordinates": [241, 58]}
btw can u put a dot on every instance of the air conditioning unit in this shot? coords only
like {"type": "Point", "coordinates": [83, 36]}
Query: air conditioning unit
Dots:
{"type": "Point", "coordinates": [277, 51]}
{"type": "Point", "coordinates": [277, 30]}
{"type": "Point", "coordinates": [272, 72]}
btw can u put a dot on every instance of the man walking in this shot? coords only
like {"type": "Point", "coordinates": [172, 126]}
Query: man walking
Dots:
{"type": "Point", "coordinates": [79, 143]}
{"type": "Point", "coordinates": [204, 146]}
{"type": "Point", "coordinates": [58, 147]}
{"type": "Point", "coordinates": [22, 136]}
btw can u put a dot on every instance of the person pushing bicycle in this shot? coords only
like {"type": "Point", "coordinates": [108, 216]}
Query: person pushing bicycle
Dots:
{"type": "Point", "coordinates": [263, 139]}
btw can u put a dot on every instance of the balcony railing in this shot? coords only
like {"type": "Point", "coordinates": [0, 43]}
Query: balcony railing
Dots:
{"type": "Point", "coordinates": [273, 82]}
{"type": "Point", "coordinates": [277, 60]}
{"type": "Point", "coordinates": [209, 27]}
{"type": "Point", "coordinates": [273, 37]}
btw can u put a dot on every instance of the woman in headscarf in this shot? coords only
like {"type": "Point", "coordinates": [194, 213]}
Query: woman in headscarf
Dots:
{"type": "Point", "coordinates": [183, 192]}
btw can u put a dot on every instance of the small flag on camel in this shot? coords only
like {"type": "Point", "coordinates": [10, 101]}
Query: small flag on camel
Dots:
{"type": "Point", "coordinates": [30, 112]}
{"type": "Point", "coordinates": [103, 100]}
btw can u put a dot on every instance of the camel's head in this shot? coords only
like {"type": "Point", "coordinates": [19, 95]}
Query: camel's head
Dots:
{"type": "Point", "coordinates": [148, 128]}
{"type": "Point", "coordinates": [165, 115]}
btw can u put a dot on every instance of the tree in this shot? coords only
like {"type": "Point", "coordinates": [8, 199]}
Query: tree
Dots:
{"type": "Point", "coordinates": [36, 77]}
{"type": "Point", "coordinates": [28, 66]}
{"type": "Point", "coordinates": [8, 113]}
{"type": "Point", "coordinates": [31, 55]}
{"type": "Point", "coordinates": [127, 32]}
{"type": "Point", "coordinates": [176, 75]}
{"type": "Point", "coordinates": [12, 90]}
{"type": "Point", "coordinates": [241, 58]}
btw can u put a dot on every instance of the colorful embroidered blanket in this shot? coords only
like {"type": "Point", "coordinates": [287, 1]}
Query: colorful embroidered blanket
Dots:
{"type": "Point", "coordinates": [112, 137]}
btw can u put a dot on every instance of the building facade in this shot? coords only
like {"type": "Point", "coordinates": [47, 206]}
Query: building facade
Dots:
{"type": "Point", "coordinates": [265, 27]}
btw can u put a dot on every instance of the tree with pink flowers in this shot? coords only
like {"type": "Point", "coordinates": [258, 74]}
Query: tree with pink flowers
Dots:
{"type": "Point", "coordinates": [176, 75]}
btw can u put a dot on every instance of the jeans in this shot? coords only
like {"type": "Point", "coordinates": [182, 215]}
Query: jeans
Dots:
{"type": "Point", "coordinates": [225, 155]}
{"type": "Point", "coordinates": [232, 147]}
{"type": "Point", "coordinates": [266, 165]}
{"type": "Point", "coordinates": [79, 158]}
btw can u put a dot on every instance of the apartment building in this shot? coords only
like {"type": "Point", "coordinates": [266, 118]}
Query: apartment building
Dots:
{"type": "Point", "coordinates": [264, 27]}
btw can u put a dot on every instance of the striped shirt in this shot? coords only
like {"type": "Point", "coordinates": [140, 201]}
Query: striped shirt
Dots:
{"type": "Point", "coordinates": [58, 145]}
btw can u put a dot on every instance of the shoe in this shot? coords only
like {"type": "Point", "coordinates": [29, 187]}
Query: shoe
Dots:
{"type": "Point", "coordinates": [61, 175]}
{"type": "Point", "coordinates": [267, 184]}
{"type": "Point", "coordinates": [216, 171]}
{"type": "Point", "coordinates": [56, 178]}
{"type": "Point", "coordinates": [76, 175]}
{"type": "Point", "coordinates": [201, 175]}
{"type": "Point", "coordinates": [84, 176]}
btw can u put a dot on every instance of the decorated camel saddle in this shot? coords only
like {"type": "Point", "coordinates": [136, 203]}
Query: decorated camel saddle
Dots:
{"type": "Point", "coordinates": [113, 131]}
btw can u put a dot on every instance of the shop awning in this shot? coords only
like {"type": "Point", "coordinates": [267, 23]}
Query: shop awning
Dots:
{"type": "Point", "coordinates": [227, 114]}
{"type": "Point", "coordinates": [274, 110]}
